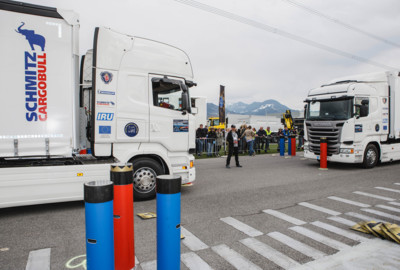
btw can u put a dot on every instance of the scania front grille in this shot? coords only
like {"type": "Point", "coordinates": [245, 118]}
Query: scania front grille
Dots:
{"type": "Point", "coordinates": [330, 130]}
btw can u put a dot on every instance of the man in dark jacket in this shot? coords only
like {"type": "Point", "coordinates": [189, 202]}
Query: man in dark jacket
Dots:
{"type": "Point", "coordinates": [201, 135]}
{"type": "Point", "coordinates": [233, 141]}
{"type": "Point", "coordinates": [260, 139]}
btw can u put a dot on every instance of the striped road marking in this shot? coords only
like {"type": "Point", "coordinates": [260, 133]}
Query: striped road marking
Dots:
{"type": "Point", "coordinates": [339, 231]}
{"type": "Point", "coordinates": [271, 254]}
{"type": "Point", "coordinates": [320, 238]}
{"type": "Point", "coordinates": [397, 184]}
{"type": "Point", "coordinates": [395, 203]}
{"type": "Point", "coordinates": [389, 189]}
{"type": "Point", "coordinates": [234, 258]}
{"type": "Point", "coordinates": [297, 245]}
{"type": "Point", "coordinates": [342, 220]}
{"type": "Point", "coordinates": [151, 265]}
{"type": "Point", "coordinates": [39, 259]}
{"type": "Point", "coordinates": [379, 213]}
{"type": "Point", "coordinates": [194, 262]}
{"type": "Point", "coordinates": [364, 217]}
{"type": "Point", "coordinates": [374, 196]}
{"type": "Point", "coordinates": [319, 208]}
{"type": "Point", "coordinates": [394, 209]}
{"type": "Point", "coordinates": [348, 201]}
{"type": "Point", "coordinates": [244, 228]}
{"type": "Point", "coordinates": [192, 242]}
{"type": "Point", "coordinates": [285, 217]}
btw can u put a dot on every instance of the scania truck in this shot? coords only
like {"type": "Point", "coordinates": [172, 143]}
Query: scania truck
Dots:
{"type": "Point", "coordinates": [359, 116]}
{"type": "Point", "coordinates": [64, 121]}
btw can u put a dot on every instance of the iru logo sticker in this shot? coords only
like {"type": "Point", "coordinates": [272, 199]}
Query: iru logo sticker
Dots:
{"type": "Point", "coordinates": [106, 77]}
{"type": "Point", "coordinates": [103, 92]}
{"type": "Point", "coordinates": [104, 129]}
{"type": "Point", "coordinates": [105, 116]}
{"type": "Point", "coordinates": [131, 129]}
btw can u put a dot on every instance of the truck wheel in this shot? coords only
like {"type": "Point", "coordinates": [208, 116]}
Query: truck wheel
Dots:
{"type": "Point", "coordinates": [145, 171]}
{"type": "Point", "coordinates": [370, 157]}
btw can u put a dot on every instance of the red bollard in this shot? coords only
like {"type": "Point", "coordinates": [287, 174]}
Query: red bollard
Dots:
{"type": "Point", "coordinates": [323, 158]}
{"type": "Point", "coordinates": [124, 247]}
{"type": "Point", "coordinates": [293, 144]}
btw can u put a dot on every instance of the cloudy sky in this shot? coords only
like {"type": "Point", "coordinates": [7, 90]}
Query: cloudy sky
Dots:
{"type": "Point", "coordinates": [252, 63]}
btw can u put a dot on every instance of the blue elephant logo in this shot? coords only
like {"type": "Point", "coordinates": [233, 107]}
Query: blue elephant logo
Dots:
{"type": "Point", "coordinates": [33, 39]}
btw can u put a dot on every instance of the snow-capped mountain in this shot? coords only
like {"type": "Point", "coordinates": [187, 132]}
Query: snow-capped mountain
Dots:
{"type": "Point", "coordinates": [256, 108]}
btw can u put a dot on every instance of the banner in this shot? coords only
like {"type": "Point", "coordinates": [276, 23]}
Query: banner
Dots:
{"type": "Point", "coordinates": [222, 104]}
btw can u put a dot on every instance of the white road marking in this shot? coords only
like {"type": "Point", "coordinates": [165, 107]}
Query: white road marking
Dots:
{"type": "Point", "coordinates": [348, 201]}
{"type": "Point", "coordinates": [364, 217]}
{"type": "Point", "coordinates": [192, 242]}
{"type": "Point", "coordinates": [4, 249]}
{"type": "Point", "coordinates": [285, 217]}
{"type": "Point", "coordinates": [394, 209]}
{"type": "Point", "coordinates": [297, 245]}
{"type": "Point", "coordinates": [151, 265]}
{"type": "Point", "coordinates": [374, 196]}
{"type": "Point", "coordinates": [194, 262]}
{"type": "Point", "coordinates": [397, 184]}
{"type": "Point", "coordinates": [395, 203]}
{"type": "Point", "coordinates": [319, 208]}
{"type": "Point", "coordinates": [234, 258]}
{"type": "Point", "coordinates": [320, 238]}
{"type": "Point", "coordinates": [389, 189]}
{"type": "Point", "coordinates": [379, 213]}
{"type": "Point", "coordinates": [271, 254]}
{"type": "Point", "coordinates": [244, 228]}
{"type": "Point", "coordinates": [136, 261]}
{"type": "Point", "coordinates": [339, 231]}
{"type": "Point", "coordinates": [39, 259]}
{"type": "Point", "coordinates": [342, 220]}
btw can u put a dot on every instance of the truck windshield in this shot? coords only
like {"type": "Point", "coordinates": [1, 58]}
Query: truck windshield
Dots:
{"type": "Point", "coordinates": [339, 109]}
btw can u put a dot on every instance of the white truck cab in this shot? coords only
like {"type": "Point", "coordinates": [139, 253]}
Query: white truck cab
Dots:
{"type": "Point", "coordinates": [357, 116]}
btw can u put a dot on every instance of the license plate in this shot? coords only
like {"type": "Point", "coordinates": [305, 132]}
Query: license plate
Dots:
{"type": "Point", "coordinates": [317, 157]}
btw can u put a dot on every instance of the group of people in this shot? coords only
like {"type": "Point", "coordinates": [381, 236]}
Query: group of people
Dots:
{"type": "Point", "coordinates": [252, 140]}
{"type": "Point", "coordinates": [209, 140]}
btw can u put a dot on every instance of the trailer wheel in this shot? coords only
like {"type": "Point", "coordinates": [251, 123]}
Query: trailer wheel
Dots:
{"type": "Point", "coordinates": [370, 157]}
{"type": "Point", "coordinates": [145, 171]}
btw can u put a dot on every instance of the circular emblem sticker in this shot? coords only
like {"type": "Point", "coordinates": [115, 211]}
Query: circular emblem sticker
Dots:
{"type": "Point", "coordinates": [131, 129]}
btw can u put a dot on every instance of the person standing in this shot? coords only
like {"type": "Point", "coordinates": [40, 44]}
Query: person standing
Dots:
{"type": "Point", "coordinates": [249, 134]}
{"type": "Point", "coordinates": [301, 139]}
{"type": "Point", "coordinates": [201, 134]}
{"type": "Point", "coordinates": [233, 143]}
{"type": "Point", "coordinates": [220, 140]}
{"type": "Point", "coordinates": [211, 142]}
{"type": "Point", "coordinates": [268, 134]}
{"type": "Point", "coordinates": [260, 140]}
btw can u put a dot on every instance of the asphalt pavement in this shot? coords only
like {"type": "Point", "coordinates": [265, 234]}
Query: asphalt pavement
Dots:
{"type": "Point", "coordinates": [223, 219]}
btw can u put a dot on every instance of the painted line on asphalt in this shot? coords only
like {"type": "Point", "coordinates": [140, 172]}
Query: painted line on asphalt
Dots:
{"type": "Point", "coordinates": [234, 258]}
{"type": "Point", "coordinates": [244, 228]}
{"type": "Point", "coordinates": [388, 189]}
{"type": "Point", "coordinates": [342, 220]}
{"type": "Point", "coordinates": [382, 214]}
{"type": "Point", "coordinates": [364, 217]}
{"type": "Point", "coordinates": [194, 262]}
{"type": "Point", "coordinates": [339, 231]}
{"type": "Point", "coordinates": [269, 253]}
{"type": "Point", "coordinates": [374, 196]}
{"type": "Point", "coordinates": [136, 261]}
{"type": "Point", "coordinates": [397, 184]}
{"type": "Point", "coordinates": [285, 217]}
{"type": "Point", "coordinates": [394, 209]}
{"type": "Point", "coordinates": [349, 201]}
{"type": "Point", "coordinates": [320, 238]}
{"type": "Point", "coordinates": [319, 208]}
{"type": "Point", "coordinates": [394, 203]}
{"type": "Point", "coordinates": [297, 245]}
{"type": "Point", "coordinates": [191, 241]}
{"type": "Point", "coordinates": [39, 259]}
{"type": "Point", "coordinates": [151, 265]}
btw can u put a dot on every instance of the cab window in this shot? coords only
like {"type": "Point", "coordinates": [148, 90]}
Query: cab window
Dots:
{"type": "Point", "coordinates": [167, 95]}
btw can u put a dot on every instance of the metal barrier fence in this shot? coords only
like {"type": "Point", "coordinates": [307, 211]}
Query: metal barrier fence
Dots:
{"type": "Point", "coordinates": [212, 147]}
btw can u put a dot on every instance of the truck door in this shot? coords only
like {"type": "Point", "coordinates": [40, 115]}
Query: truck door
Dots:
{"type": "Point", "coordinates": [362, 123]}
{"type": "Point", "coordinates": [169, 124]}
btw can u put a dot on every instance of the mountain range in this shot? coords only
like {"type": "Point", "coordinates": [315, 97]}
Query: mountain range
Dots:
{"type": "Point", "coordinates": [269, 106]}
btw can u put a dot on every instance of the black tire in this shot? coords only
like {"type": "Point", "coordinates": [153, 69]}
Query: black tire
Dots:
{"type": "Point", "coordinates": [371, 157]}
{"type": "Point", "coordinates": [145, 171]}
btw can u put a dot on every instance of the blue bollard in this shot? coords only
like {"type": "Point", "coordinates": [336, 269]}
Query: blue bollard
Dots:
{"type": "Point", "coordinates": [99, 219]}
{"type": "Point", "coordinates": [168, 222]}
{"type": "Point", "coordinates": [289, 151]}
{"type": "Point", "coordinates": [282, 146]}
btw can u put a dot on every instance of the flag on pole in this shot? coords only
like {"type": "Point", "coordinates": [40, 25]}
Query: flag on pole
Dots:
{"type": "Point", "coordinates": [221, 104]}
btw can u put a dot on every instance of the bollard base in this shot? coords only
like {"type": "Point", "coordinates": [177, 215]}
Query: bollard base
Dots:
{"type": "Point", "coordinates": [288, 157]}
{"type": "Point", "coordinates": [323, 169]}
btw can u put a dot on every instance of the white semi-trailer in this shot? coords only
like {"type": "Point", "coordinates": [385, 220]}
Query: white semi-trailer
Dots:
{"type": "Point", "coordinates": [360, 117]}
{"type": "Point", "coordinates": [130, 103]}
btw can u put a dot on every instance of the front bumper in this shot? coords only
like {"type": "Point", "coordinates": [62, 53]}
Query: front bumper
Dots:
{"type": "Point", "coordinates": [342, 158]}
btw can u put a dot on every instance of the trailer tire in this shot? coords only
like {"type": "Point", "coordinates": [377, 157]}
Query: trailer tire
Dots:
{"type": "Point", "coordinates": [370, 157]}
{"type": "Point", "coordinates": [145, 171]}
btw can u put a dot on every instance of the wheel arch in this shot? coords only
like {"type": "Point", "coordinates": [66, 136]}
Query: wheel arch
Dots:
{"type": "Point", "coordinates": [154, 157]}
{"type": "Point", "coordinates": [378, 147]}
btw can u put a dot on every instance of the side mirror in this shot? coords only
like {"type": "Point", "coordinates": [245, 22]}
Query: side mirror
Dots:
{"type": "Point", "coordinates": [185, 102]}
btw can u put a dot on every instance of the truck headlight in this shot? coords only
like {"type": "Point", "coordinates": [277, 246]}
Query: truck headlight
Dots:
{"type": "Point", "coordinates": [347, 150]}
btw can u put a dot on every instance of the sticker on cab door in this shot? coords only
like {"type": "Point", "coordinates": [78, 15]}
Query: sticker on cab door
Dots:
{"type": "Point", "coordinates": [106, 77]}
{"type": "Point", "coordinates": [131, 129]}
{"type": "Point", "coordinates": [181, 126]}
{"type": "Point", "coordinates": [358, 128]}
